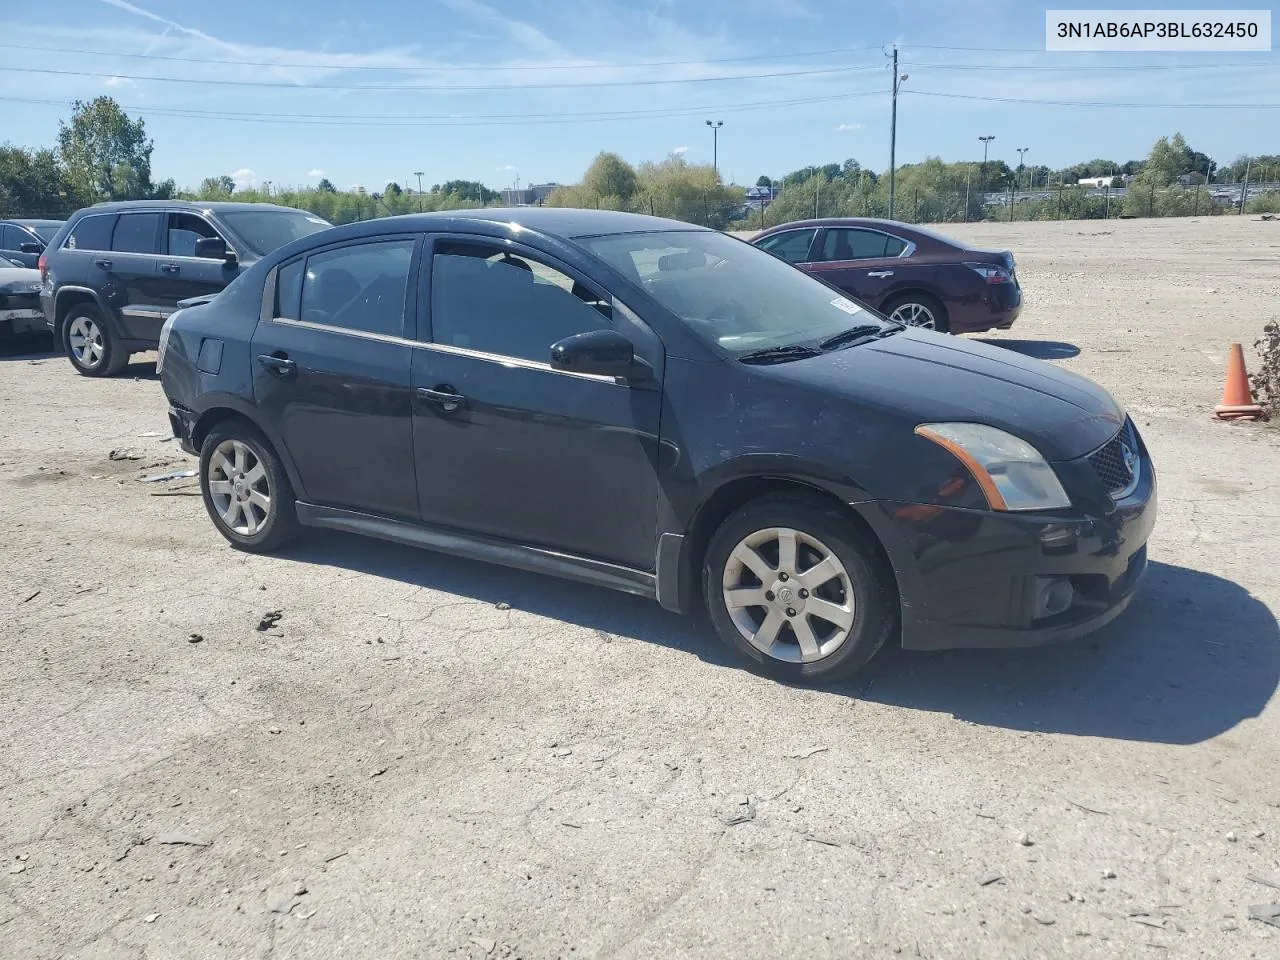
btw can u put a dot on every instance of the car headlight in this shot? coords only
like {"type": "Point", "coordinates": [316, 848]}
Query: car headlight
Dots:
{"type": "Point", "coordinates": [1012, 473]}
{"type": "Point", "coordinates": [164, 339]}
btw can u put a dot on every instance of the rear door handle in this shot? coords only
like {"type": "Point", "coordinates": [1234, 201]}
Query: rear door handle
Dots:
{"type": "Point", "coordinates": [170, 268]}
{"type": "Point", "coordinates": [281, 367]}
{"type": "Point", "coordinates": [880, 273]}
{"type": "Point", "coordinates": [445, 397]}
{"type": "Point", "coordinates": [104, 264]}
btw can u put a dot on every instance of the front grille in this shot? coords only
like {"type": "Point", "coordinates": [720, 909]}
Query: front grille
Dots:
{"type": "Point", "coordinates": [1110, 461]}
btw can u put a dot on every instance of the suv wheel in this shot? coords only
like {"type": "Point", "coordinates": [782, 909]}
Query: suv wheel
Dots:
{"type": "Point", "coordinates": [246, 489]}
{"type": "Point", "coordinates": [90, 345]}
{"type": "Point", "coordinates": [793, 586]}
{"type": "Point", "coordinates": [918, 310]}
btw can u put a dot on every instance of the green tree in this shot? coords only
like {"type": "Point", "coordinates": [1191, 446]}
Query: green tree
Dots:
{"type": "Point", "coordinates": [216, 188]}
{"type": "Point", "coordinates": [106, 154]}
{"type": "Point", "coordinates": [609, 176]}
{"type": "Point", "coordinates": [33, 183]}
{"type": "Point", "coordinates": [392, 190]}
{"type": "Point", "coordinates": [764, 182]}
{"type": "Point", "coordinates": [326, 186]}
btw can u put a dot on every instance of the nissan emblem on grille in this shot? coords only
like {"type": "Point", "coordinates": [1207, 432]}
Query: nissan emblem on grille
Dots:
{"type": "Point", "coordinates": [1117, 462]}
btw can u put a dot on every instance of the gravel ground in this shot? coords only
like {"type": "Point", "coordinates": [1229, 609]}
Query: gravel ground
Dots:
{"type": "Point", "coordinates": [426, 757]}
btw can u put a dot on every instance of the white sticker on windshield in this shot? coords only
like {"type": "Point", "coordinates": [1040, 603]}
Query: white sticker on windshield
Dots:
{"type": "Point", "coordinates": [848, 306]}
{"type": "Point", "coordinates": [325, 223]}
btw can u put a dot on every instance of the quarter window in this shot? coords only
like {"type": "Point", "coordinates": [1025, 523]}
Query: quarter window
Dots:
{"type": "Point", "coordinates": [853, 244]}
{"type": "Point", "coordinates": [91, 233]}
{"type": "Point", "coordinates": [487, 299]}
{"type": "Point", "coordinates": [360, 287]}
{"type": "Point", "coordinates": [184, 230]}
{"type": "Point", "coordinates": [792, 245]}
{"type": "Point", "coordinates": [136, 233]}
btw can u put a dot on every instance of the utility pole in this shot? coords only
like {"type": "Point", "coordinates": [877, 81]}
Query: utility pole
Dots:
{"type": "Point", "coordinates": [968, 175]}
{"type": "Point", "coordinates": [715, 126]}
{"type": "Point", "coordinates": [893, 129]}
{"type": "Point", "coordinates": [418, 174]}
{"type": "Point", "coordinates": [1021, 152]}
{"type": "Point", "coordinates": [1244, 191]}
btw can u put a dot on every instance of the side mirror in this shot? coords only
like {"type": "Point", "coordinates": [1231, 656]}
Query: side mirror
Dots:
{"type": "Point", "coordinates": [31, 248]}
{"type": "Point", "coordinates": [214, 248]}
{"type": "Point", "coordinates": [603, 352]}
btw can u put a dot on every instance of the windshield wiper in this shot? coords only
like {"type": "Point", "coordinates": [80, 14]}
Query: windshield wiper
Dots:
{"type": "Point", "coordinates": [853, 334]}
{"type": "Point", "coordinates": [795, 351]}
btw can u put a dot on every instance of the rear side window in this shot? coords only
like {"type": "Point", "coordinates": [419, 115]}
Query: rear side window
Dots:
{"type": "Point", "coordinates": [91, 233]}
{"type": "Point", "coordinates": [852, 244]}
{"type": "Point", "coordinates": [792, 245]}
{"type": "Point", "coordinates": [184, 230]}
{"type": "Point", "coordinates": [360, 287]}
{"type": "Point", "coordinates": [136, 233]}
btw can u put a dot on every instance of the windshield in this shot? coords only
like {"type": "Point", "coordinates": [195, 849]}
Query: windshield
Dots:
{"type": "Point", "coordinates": [730, 292]}
{"type": "Point", "coordinates": [46, 230]}
{"type": "Point", "coordinates": [267, 230]}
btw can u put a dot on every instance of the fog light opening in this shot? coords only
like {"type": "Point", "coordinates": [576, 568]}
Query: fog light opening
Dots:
{"type": "Point", "coordinates": [1053, 596]}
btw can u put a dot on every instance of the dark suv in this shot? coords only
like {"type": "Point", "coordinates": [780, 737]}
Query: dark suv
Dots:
{"type": "Point", "coordinates": [115, 271]}
{"type": "Point", "coordinates": [24, 240]}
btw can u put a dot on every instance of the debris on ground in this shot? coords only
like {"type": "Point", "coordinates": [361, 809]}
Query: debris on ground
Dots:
{"type": "Point", "coordinates": [1273, 882]}
{"type": "Point", "coordinates": [123, 454]}
{"type": "Point", "coordinates": [195, 638]}
{"type": "Point", "coordinates": [1025, 839]}
{"type": "Point", "coordinates": [1268, 913]}
{"type": "Point", "coordinates": [806, 754]}
{"type": "Point", "coordinates": [485, 944]}
{"type": "Point", "coordinates": [151, 918]}
{"type": "Point", "coordinates": [270, 619]}
{"type": "Point", "coordinates": [987, 879]}
{"type": "Point", "coordinates": [1108, 874]}
{"type": "Point", "coordinates": [181, 839]}
{"type": "Point", "coordinates": [32, 597]}
{"type": "Point", "coordinates": [744, 811]}
{"type": "Point", "coordinates": [502, 605]}
{"type": "Point", "coordinates": [165, 477]}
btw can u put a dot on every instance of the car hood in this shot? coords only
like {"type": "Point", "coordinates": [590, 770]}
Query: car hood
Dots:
{"type": "Point", "coordinates": [18, 279]}
{"type": "Point", "coordinates": [929, 377]}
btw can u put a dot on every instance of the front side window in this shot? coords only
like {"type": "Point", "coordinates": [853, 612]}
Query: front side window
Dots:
{"type": "Point", "coordinates": [848, 243]}
{"type": "Point", "coordinates": [360, 287]}
{"type": "Point", "coordinates": [484, 298]}
{"type": "Point", "coordinates": [184, 230]}
{"type": "Point", "coordinates": [730, 292]}
{"type": "Point", "coordinates": [91, 233]}
{"type": "Point", "coordinates": [792, 245]}
{"type": "Point", "coordinates": [136, 233]}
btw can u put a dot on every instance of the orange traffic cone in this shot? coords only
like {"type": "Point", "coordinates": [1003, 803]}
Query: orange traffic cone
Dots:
{"type": "Point", "coordinates": [1237, 402]}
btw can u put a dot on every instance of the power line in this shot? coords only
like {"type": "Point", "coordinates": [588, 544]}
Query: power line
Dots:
{"type": "Point", "coordinates": [442, 88]}
{"type": "Point", "coordinates": [461, 67]}
{"type": "Point", "coordinates": [1098, 103]}
{"type": "Point", "coordinates": [445, 120]}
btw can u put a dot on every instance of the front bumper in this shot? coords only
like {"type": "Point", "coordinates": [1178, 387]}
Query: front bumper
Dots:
{"type": "Point", "coordinates": [971, 578]}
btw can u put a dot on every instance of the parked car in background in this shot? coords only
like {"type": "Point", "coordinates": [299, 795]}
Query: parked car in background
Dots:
{"type": "Point", "coordinates": [667, 411]}
{"type": "Point", "coordinates": [20, 311]}
{"type": "Point", "coordinates": [115, 271]}
{"type": "Point", "coordinates": [25, 240]}
{"type": "Point", "coordinates": [908, 273]}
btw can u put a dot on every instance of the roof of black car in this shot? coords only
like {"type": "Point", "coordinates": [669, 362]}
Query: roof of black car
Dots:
{"type": "Point", "coordinates": [216, 206]}
{"type": "Point", "coordinates": [552, 221]}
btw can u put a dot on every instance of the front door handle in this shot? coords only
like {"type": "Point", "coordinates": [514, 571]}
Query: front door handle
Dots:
{"type": "Point", "coordinates": [104, 264]}
{"type": "Point", "coordinates": [281, 367]}
{"type": "Point", "coordinates": [170, 268]}
{"type": "Point", "coordinates": [880, 273]}
{"type": "Point", "coordinates": [445, 397]}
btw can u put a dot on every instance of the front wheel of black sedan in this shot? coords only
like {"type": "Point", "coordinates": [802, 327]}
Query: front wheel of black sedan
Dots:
{"type": "Point", "coordinates": [246, 489]}
{"type": "Point", "coordinates": [792, 585]}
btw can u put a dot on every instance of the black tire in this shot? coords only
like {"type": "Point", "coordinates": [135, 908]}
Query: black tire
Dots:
{"type": "Point", "coordinates": [939, 313]}
{"type": "Point", "coordinates": [108, 358]}
{"type": "Point", "coordinates": [276, 526]}
{"type": "Point", "coordinates": [875, 605]}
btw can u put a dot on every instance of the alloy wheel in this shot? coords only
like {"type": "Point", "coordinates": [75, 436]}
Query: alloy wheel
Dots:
{"type": "Point", "coordinates": [85, 338]}
{"type": "Point", "coordinates": [789, 595]}
{"type": "Point", "coordinates": [240, 487]}
{"type": "Point", "coordinates": [914, 315]}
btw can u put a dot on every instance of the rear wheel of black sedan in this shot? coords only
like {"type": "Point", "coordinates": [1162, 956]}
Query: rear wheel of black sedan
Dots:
{"type": "Point", "coordinates": [918, 310]}
{"type": "Point", "coordinates": [90, 344]}
{"type": "Point", "coordinates": [246, 489]}
{"type": "Point", "coordinates": [792, 585]}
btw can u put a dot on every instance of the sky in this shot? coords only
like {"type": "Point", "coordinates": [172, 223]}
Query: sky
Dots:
{"type": "Point", "coordinates": [289, 91]}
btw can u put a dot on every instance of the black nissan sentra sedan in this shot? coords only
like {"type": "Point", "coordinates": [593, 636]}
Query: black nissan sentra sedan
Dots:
{"type": "Point", "coordinates": [664, 410]}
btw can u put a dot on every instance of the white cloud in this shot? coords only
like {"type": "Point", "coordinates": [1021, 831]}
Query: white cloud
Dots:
{"type": "Point", "coordinates": [315, 174]}
{"type": "Point", "coordinates": [845, 127]}
{"type": "Point", "coordinates": [506, 168]}
{"type": "Point", "coordinates": [523, 33]}
{"type": "Point", "coordinates": [244, 177]}
{"type": "Point", "coordinates": [119, 82]}
{"type": "Point", "coordinates": [169, 24]}
{"type": "Point", "coordinates": [680, 151]}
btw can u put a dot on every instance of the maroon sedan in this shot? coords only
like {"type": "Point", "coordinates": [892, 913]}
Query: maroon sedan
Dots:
{"type": "Point", "coordinates": [910, 274]}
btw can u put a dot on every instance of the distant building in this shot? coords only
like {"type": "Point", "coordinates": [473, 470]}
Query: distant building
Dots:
{"type": "Point", "coordinates": [1095, 181]}
{"type": "Point", "coordinates": [533, 195]}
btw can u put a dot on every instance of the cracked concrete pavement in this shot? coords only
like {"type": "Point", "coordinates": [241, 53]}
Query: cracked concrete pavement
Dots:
{"type": "Point", "coordinates": [584, 775]}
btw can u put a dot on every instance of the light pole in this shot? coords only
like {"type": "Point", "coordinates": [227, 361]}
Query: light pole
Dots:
{"type": "Point", "coordinates": [986, 142]}
{"type": "Point", "coordinates": [418, 174]}
{"type": "Point", "coordinates": [267, 184]}
{"type": "Point", "coordinates": [893, 130]}
{"type": "Point", "coordinates": [715, 126]}
{"type": "Point", "coordinates": [1021, 152]}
